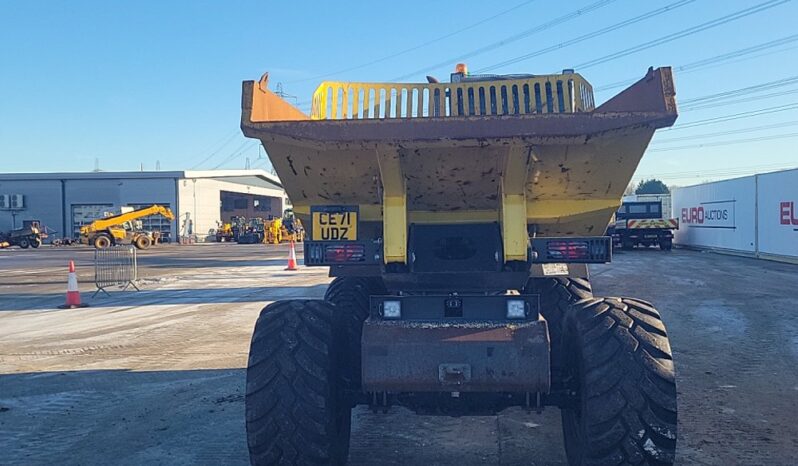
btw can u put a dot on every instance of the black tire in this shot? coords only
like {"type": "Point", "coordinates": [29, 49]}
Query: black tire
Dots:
{"type": "Point", "coordinates": [36, 242]}
{"type": "Point", "coordinates": [351, 296]}
{"type": "Point", "coordinates": [143, 242]}
{"type": "Point", "coordinates": [24, 243]}
{"type": "Point", "coordinates": [621, 375]}
{"type": "Point", "coordinates": [627, 244]}
{"type": "Point", "coordinates": [294, 408]}
{"type": "Point", "coordinates": [102, 241]}
{"type": "Point", "coordinates": [556, 297]}
{"type": "Point", "coordinates": [666, 244]}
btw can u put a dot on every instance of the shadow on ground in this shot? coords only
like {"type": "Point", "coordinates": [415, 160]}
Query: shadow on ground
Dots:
{"type": "Point", "coordinates": [197, 417]}
{"type": "Point", "coordinates": [123, 417]}
{"type": "Point", "coordinates": [31, 302]}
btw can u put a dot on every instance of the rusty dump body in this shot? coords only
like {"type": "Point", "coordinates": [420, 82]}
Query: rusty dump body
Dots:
{"type": "Point", "coordinates": [454, 162]}
{"type": "Point", "coordinates": [452, 186]}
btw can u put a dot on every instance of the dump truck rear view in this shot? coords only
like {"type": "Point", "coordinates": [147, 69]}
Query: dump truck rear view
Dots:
{"type": "Point", "coordinates": [458, 220]}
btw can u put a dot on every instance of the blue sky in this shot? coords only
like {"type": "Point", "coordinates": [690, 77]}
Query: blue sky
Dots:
{"type": "Point", "coordinates": [160, 82]}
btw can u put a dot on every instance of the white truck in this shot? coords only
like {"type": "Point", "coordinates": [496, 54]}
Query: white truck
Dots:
{"type": "Point", "coordinates": [644, 220]}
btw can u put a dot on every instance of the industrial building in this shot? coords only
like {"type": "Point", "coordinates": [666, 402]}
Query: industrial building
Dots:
{"type": "Point", "coordinates": [62, 202]}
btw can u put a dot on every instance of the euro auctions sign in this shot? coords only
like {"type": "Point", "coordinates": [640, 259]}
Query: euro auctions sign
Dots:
{"type": "Point", "coordinates": [787, 214]}
{"type": "Point", "coordinates": [715, 214]}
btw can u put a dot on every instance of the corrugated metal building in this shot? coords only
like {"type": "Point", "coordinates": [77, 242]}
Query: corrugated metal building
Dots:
{"type": "Point", "coordinates": [200, 199]}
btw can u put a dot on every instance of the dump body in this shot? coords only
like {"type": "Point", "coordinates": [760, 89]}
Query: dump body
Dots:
{"type": "Point", "coordinates": [532, 154]}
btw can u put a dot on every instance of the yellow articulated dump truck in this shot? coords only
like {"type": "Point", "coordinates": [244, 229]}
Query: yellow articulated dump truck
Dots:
{"type": "Point", "coordinates": [459, 220]}
{"type": "Point", "coordinates": [124, 228]}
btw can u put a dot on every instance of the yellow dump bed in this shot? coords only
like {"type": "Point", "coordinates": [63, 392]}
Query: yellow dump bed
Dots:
{"type": "Point", "coordinates": [533, 151]}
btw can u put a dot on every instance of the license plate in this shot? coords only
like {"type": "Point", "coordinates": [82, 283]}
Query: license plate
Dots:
{"type": "Point", "coordinates": [334, 223]}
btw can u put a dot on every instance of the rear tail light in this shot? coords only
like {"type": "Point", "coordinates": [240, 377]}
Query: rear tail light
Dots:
{"type": "Point", "coordinates": [334, 253]}
{"type": "Point", "coordinates": [344, 253]}
{"type": "Point", "coordinates": [583, 250]}
{"type": "Point", "coordinates": [568, 250]}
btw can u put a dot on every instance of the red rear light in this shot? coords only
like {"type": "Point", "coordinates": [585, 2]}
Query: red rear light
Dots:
{"type": "Point", "coordinates": [568, 250]}
{"type": "Point", "coordinates": [344, 253]}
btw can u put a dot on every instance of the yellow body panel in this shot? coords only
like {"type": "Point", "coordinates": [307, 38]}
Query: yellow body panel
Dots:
{"type": "Point", "coordinates": [352, 100]}
{"type": "Point", "coordinates": [108, 223]}
{"type": "Point", "coordinates": [459, 153]}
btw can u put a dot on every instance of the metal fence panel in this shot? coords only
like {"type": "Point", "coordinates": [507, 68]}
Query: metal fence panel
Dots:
{"type": "Point", "coordinates": [115, 266]}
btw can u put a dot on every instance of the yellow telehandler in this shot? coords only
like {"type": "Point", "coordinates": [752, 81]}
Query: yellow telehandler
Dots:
{"type": "Point", "coordinates": [124, 228]}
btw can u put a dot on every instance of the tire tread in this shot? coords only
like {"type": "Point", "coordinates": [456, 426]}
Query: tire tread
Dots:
{"type": "Point", "coordinates": [634, 391]}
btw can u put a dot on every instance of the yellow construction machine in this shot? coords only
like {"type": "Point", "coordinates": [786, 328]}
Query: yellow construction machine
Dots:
{"type": "Point", "coordinates": [459, 220]}
{"type": "Point", "coordinates": [224, 233]}
{"type": "Point", "coordinates": [274, 234]}
{"type": "Point", "coordinates": [124, 228]}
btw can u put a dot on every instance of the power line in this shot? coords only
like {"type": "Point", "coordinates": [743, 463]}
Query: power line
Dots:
{"type": "Point", "coordinates": [414, 48]}
{"type": "Point", "coordinates": [736, 116]}
{"type": "Point", "coordinates": [683, 33]}
{"type": "Point", "coordinates": [738, 101]}
{"type": "Point", "coordinates": [238, 151]}
{"type": "Point", "coordinates": [742, 91]}
{"type": "Point", "coordinates": [739, 53]}
{"type": "Point", "coordinates": [227, 141]}
{"type": "Point", "coordinates": [720, 172]}
{"type": "Point", "coordinates": [594, 34]}
{"type": "Point", "coordinates": [726, 133]}
{"type": "Point", "coordinates": [714, 61]}
{"type": "Point", "coordinates": [727, 143]}
{"type": "Point", "coordinates": [523, 34]}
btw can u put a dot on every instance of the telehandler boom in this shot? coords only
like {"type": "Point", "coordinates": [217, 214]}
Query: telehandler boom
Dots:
{"type": "Point", "coordinates": [122, 229]}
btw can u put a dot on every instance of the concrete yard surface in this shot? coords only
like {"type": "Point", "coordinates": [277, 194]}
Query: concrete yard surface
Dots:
{"type": "Point", "coordinates": [157, 376]}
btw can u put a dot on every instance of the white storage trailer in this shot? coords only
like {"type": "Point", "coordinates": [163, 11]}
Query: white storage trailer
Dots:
{"type": "Point", "coordinates": [754, 215]}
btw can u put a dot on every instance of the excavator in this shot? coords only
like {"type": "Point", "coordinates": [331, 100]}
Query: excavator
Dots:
{"type": "Point", "coordinates": [124, 228]}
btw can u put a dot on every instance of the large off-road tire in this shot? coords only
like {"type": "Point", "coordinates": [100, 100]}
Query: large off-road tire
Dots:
{"type": "Point", "coordinates": [666, 244]}
{"type": "Point", "coordinates": [351, 296]}
{"type": "Point", "coordinates": [556, 297]}
{"type": "Point", "coordinates": [102, 241]}
{"type": "Point", "coordinates": [24, 243]}
{"type": "Point", "coordinates": [295, 413]}
{"type": "Point", "coordinates": [35, 243]}
{"type": "Point", "coordinates": [621, 377]}
{"type": "Point", "coordinates": [143, 242]}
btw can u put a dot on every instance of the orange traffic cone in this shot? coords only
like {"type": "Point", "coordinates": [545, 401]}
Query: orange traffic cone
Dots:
{"type": "Point", "coordinates": [73, 293]}
{"type": "Point", "coordinates": [292, 258]}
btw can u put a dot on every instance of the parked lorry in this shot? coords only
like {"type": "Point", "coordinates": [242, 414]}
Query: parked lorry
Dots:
{"type": "Point", "coordinates": [644, 220]}
{"type": "Point", "coordinates": [30, 235]}
{"type": "Point", "coordinates": [124, 228]}
{"type": "Point", "coordinates": [458, 220]}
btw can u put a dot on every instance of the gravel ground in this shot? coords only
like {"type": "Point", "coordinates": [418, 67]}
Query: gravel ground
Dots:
{"type": "Point", "coordinates": [156, 377]}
